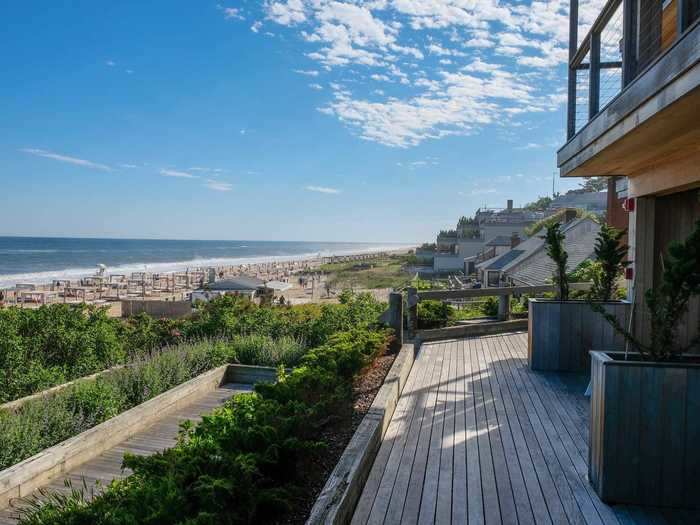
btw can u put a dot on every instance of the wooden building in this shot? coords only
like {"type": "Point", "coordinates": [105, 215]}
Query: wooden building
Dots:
{"type": "Point", "coordinates": [634, 112]}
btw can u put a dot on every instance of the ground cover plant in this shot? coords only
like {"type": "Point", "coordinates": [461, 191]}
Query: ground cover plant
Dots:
{"type": "Point", "coordinates": [244, 463]}
{"type": "Point", "coordinates": [46, 421]}
{"type": "Point", "coordinates": [386, 271]}
{"type": "Point", "coordinates": [53, 344]}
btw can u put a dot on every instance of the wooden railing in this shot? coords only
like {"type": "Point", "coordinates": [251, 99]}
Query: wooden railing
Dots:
{"type": "Point", "coordinates": [395, 317]}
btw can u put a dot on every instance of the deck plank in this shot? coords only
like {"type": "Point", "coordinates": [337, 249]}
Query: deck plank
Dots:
{"type": "Point", "coordinates": [373, 504]}
{"type": "Point", "coordinates": [412, 502]}
{"type": "Point", "coordinates": [428, 502]}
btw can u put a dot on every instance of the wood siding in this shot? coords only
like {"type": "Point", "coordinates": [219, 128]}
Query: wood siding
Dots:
{"type": "Point", "coordinates": [675, 219]}
{"type": "Point", "coordinates": [669, 23]}
{"type": "Point", "coordinates": [645, 427]}
{"type": "Point", "coordinates": [561, 334]}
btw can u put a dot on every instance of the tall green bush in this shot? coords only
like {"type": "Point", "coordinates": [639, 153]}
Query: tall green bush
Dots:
{"type": "Point", "coordinates": [610, 254]}
{"type": "Point", "coordinates": [668, 303]}
{"type": "Point", "coordinates": [554, 242]}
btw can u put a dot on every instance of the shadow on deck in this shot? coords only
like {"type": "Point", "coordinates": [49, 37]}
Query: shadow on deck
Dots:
{"type": "Point", "coordinates": [477, 437]}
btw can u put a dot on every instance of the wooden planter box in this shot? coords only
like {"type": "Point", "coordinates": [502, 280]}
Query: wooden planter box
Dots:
{"type": "Point", "coordinates": [645, 431]}
{"type": "Point", "coordinates": [562, 333]}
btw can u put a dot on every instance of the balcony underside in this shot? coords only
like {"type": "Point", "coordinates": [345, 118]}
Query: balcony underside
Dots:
{"type": "Point", "coordinates": [653, 120]}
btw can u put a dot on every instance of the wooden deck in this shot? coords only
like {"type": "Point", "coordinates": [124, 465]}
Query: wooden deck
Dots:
{"type": "Point", "coordinates": [157, 437]}
{"type": "Point", "coordinates": [479, 438]}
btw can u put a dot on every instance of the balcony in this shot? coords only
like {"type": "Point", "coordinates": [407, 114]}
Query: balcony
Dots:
{"type": "Point", "coordinates": [633, 87]}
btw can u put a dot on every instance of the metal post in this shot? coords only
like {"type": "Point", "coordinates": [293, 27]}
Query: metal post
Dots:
{"type": "Point", "coordinates": [681, 17]}
{"type": "Point", "coordinates": [573, 44]}
{"type": "Point", "coordinates": [396, 317]}
{"type": "Point", "coordinates": [594, 76]}
{"type": "Point", "coordinates": [629, 41]}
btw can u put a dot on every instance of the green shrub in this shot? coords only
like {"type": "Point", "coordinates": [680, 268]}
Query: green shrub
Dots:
{"type": "Point", "coordinates": [53, 344]}
{"type": "Point", "coordinates": [244, 463]}
{"type": "Point", "coordinates": [433, 314]}
{"type": "Point", "coordinates": [44, 422]}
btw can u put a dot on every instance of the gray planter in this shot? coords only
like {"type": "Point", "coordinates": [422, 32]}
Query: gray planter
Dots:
{"type": "Point", "coordinates": [561, 333]}
{"type": "Point", "coordinates": [645, 431]}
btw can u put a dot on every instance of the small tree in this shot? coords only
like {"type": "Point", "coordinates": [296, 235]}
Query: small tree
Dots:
{"type": "Point", "coordinates": [554, 240]}
{"type": "Point", "coordinates": [610, 253]}
{"type": "Point", "coordinates": [668, 303]}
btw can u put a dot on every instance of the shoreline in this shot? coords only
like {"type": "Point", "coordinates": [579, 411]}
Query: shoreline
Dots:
{"type": "Point", "coordinates": [136, 282]}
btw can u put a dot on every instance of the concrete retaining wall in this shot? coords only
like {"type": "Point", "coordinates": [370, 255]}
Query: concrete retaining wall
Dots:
{"type": "Point", "coordinates": [337, 500]}
{"type": "Point", "coordinates": [24, 477]}
{"type": "Point", "coordinates": [169, 309]}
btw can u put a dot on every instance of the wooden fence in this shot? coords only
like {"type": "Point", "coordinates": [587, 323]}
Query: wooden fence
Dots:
{"type": "Point", "coordinates": [395, 317]}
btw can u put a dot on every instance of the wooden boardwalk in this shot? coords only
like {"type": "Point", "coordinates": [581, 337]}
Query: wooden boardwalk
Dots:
{"type": "Point", "coordinates": [159, 436]}
{"type": "Point", "coordinates": [479, 438]}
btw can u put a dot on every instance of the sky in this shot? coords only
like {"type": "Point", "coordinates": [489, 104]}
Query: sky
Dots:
{"type": "Point", "coordinates": [382, 120]}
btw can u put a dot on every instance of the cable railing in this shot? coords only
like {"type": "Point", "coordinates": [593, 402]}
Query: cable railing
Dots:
{"type": "Point", "coordinates": [625, 39]}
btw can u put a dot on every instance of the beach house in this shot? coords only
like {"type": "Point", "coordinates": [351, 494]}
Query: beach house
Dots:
{"type": "Point", "coordinates": [634, 116]}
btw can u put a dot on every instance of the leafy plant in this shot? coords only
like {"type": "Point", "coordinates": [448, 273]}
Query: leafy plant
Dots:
{"type": "Point", "coordinates": [554, 241]}
{"type": "Point", "coordinates": [668, 303]}
{"type": "Point", "coordinates": [433, 314]}
{"type": "Point", "coordinates": [610, 254]}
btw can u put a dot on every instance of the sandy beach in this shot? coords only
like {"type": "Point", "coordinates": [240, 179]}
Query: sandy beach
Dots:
{"type": "Point", "coordinates": [109, 289]}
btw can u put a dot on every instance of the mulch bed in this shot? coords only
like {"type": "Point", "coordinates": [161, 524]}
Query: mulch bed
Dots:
{"type": "Point", "coordinates": [364, 390]}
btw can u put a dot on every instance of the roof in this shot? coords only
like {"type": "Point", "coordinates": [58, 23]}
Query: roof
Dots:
{"type": "Point", "coordinates": [523, 250]}
{"type": "Point", "coordinates": [508, 257]}
{"type": "Point", "coordinates": [241, 282]}
{"type": "Point", "coordinates": [579, 244]}
{"type": "Point", "coordinates": [588, 200]}
{"type": "Point", "coordinates": [500, 240]}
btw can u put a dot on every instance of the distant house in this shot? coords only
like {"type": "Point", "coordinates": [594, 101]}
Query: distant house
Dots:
{"type": "Point", "coordinates": [241, 285]}
{"type": "Point", "coordinates": [528, 263]}
{"type": "Point", "coordinates": [595, 202]}
{"type": "Point", "coordinates": [490, 232]}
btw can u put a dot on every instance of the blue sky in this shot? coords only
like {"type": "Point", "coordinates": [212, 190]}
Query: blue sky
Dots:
{"type": "Point", "coordinates": [280, 120]}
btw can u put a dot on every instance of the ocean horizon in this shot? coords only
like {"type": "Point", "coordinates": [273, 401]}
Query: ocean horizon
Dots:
{"type": "Point", "coordinates": [42, 259]}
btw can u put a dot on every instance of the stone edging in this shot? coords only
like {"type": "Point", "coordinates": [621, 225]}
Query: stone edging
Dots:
{"type": "Point", "coordinates": [343, 488]}
{"type": "Point", "coordinates": [23, 478]}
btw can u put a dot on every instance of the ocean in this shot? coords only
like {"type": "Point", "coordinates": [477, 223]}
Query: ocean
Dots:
{"type": "Point", "coordinates": [41, 259]}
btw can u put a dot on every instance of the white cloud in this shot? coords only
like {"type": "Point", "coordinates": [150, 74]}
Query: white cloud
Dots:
{"type": "Point", "coordinates": [65, 158]}
{"type": "Point", "coordinates": [110, 63]}
{"type": "Point", "coordinates": [218, 186]}
{"type": "Point", "coordinates": [322, 189]}
{"type": "Point", "coordinates": [484, 191]}
{"type": "Point", "coordinates": [175, 173]}
{"type": "Point", "coordinates": [128, 166]}
{"type": "Point", "coordinates": [231, 13]}
{"type": "Point", "coordinates": [317, 87]}
{"type": "Point", "coordinates": [286, 13]}
{"type": "Point", "coordinates": [513, 53]}
{"type": "Point", "coordinates": [307, 72]}
{"type": "Point", "coordinates": [255, 28]}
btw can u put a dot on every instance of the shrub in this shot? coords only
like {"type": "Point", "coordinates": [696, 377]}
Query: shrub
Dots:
{"type": "Point", "coordinates": [244, 463]}
{"type": "Point", "coordinates": [433, 314]}
{"type": "Point", "coordinates": [44, 422]}
{"type": "Point", "coordinates": [554, 241]}
{"type": "Point", "coordinates": [668, 303]}
{"type": "Point", "coordinates": [610, 255]}
{"type": "Point", "coordinates": [43, 347]}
